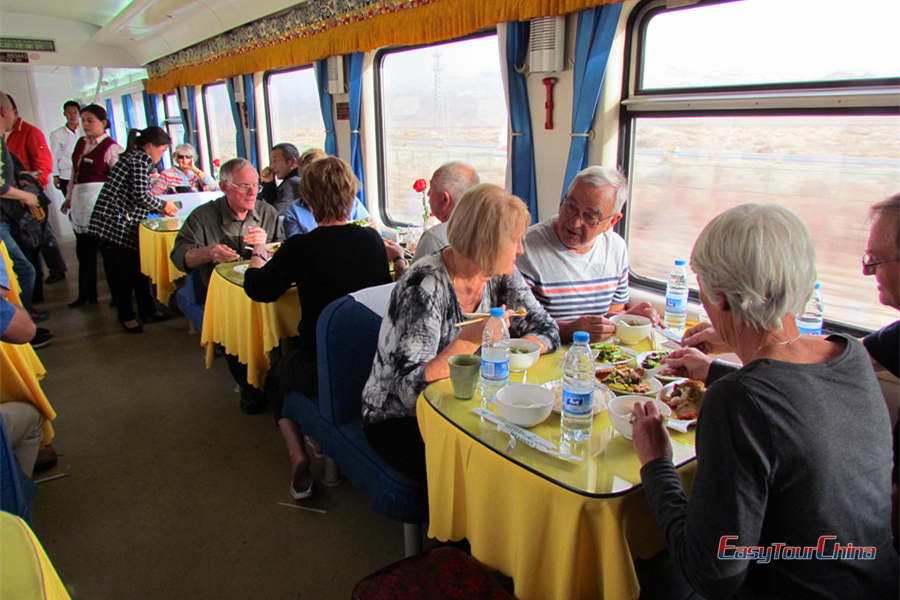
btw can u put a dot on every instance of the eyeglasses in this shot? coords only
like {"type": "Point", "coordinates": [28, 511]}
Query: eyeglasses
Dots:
{"type": "Point", "coordinates": [183, 156]}
{"type": "Point", "coordinates": [591, 218]}
{"type": "Point", "coordinates": [869, 263]}
{"type": "Point", "coordinates": [247, 188]}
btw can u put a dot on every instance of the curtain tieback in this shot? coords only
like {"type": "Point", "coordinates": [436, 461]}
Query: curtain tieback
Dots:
{"type": "Point", "coordinates": [516, 133]}
{"type": "Point", "coordinates": [589, 134]}
{"type": "Point", "coordinates": [329, 131]}
{"type": "Point", "coordinates": [356, 131]}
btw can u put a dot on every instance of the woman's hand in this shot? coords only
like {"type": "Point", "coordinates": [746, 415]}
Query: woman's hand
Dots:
{"type": "Point", "coordinates": [393, 250]}
{"type": "Point", "coordinates": [648, 433]}
{"type": "Point", "coordinates": [169, 209]}
{"type": "Point", "coordinates": [64, 209]}
{"type": "Point", "coordinates": [645, 309]}
{"type": "Point", "coordinates": [704, 338]}
{"type": "Point", "coordinates": [688, 362]}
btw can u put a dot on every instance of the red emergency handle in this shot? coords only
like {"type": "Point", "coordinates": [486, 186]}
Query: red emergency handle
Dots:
{"type": "Point", "coordinates": [549, 82]}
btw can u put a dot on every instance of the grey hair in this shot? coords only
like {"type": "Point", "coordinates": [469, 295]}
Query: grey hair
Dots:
{"type": "Point", "coordinates": [187, 147]}
{"type": "Point", "coordinates": [888, 206]}
{"type": "Point", "coordinates": [600, 176]}
{"type": "Point", "coordinates": [232, 165]}
{"type": "Point", "coordinates": [761, 259]}
{"type": "Point", "coordinates": [455, 178]}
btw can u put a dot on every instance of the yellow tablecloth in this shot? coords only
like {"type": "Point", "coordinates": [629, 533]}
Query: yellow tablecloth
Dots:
{"type": "Point", "coordinates": [20, 367]}
{"type": "Point", "coordinates": [155, 246]}
{"type": "Point", "coordinates": [246, 329]}
{"type": "Point", "coordinates": [560, 530]}
{"type": "Point", "coordinates": [25, 570]}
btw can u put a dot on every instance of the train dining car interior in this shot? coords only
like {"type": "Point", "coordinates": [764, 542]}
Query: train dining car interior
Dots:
{"type": "Point", "coordinates": [683, 208]}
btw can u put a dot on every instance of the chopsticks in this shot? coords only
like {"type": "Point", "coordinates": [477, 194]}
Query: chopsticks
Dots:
{"type": "Point", "coordinates": [478, 317]}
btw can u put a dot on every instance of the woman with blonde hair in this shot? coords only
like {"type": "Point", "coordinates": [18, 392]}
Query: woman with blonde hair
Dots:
{"type": "Point", "coordinates": [419, 334]}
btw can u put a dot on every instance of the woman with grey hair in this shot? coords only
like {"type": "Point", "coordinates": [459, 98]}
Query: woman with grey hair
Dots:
{"type": "Point", "coordinates": [779, 458]}
{"type": "Point", "coordinates": [185, 176]}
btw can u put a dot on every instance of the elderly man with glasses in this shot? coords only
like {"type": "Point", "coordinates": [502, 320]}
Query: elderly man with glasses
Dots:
{"type": "Point", "coordinates": [576, 265]}
{"type": "Point", "coordinates": [223, 230]}
{"type": "Point", "coordinates": [185, 176]}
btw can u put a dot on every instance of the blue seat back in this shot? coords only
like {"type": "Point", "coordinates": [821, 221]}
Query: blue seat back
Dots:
{"type": "Point", "coordinates": [186, 298]}
{"type": "Point", "coordinates": [346, 339]}
{"type": "Point", "coordinates": [17, 490]}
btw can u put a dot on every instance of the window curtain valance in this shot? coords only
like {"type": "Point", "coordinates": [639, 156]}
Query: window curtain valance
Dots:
{"type": "Point", "coordinates": [315, 30]}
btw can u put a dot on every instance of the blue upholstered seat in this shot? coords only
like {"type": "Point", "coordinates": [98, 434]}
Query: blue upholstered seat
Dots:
{"type": "Point", "coordinates": [347, 337]}
{"type": "Point", "coordinates": [17, 490]}
{"type": "Point", "coordinates": [186, 298]}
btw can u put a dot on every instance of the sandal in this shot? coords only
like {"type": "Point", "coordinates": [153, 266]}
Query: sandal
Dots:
{"type": "Point", "coordinates": [313, 446]}
{"type": "Point", "coordinates": [302, 494]}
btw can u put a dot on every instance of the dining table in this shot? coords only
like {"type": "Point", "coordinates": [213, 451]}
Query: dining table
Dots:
{"type": "Point", "coordinates": [156, 238]}
{"type": "Point", "coordinates": [243, 327]}
{"type": "Point", "coordinates": [562, 529]}
{"type": "Point", "coordinates": [20, 368]}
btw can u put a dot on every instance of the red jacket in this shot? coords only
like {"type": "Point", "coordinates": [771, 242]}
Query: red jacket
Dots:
{"type": "Point", "coordinates": [28, 143]}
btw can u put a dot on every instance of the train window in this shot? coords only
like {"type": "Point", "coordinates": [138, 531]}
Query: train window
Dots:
{"type": "Point", "coordinates": [140, 117]}
{"type": "Point", "coordinates": [119, 121]}
{"type": "Point", "coordinates": [825, 151]}
{"type": "Point", "coordinates": [293, 110]}
{"type": "Point", "coordinates": [438, 103]}
{"type": "Point", "coordinates": [220, 130]}
{"type": "Point", "coordinates": [174, 125]}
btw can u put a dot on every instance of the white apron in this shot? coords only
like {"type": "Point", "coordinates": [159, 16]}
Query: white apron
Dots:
{"type": "Point", "coordinates": [84, 196]}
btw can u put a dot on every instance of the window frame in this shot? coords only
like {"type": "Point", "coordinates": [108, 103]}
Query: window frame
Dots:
{"type": "Point", "coordinates": [811, 99]}
{"type": "Point", "coordinates": [172, 120]}
{"type": "Point", "coordinates": [378, 63]}
{"type": "Point", "coordinates": [266, 76]}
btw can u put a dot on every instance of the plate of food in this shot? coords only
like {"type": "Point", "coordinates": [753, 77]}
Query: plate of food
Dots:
{"type": "Point", "coordinates": [667, 375]}
{"type": "Point", "coordinates": [273, 246]}
{"type": "Point", "coordinates": [684, 397]}
{"type": "Point", "coordinates": [602, 395]}
{"type": "Point", "coordinates": [610, 354]}
{"type": "Point", "coordinates": [241, 268]}
{"type": "Point", "coordinates": [622, 379]}
{"type": "Point", "coordinates": [652, 361]}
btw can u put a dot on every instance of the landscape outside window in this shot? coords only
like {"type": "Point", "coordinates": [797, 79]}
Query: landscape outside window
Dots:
{"type": "Point", "coordinates": [295, 115]}
{"type": "Point", "coordinates": [219, 123]}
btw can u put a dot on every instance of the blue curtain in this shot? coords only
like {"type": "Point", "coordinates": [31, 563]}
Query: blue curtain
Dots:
{"type": "Point", "coordinates": [191, 128]}
{"type": "Point", "coordinates": [112, 123]}
{"type": "Point", "coordinates": [596, 29]}
{"type": "Point", "coordinates": [521, 139]}
{"type": "Point", "coordinates": [236, 115]}
{"type": "Point", "coordinates": [150, 108]}
{"type": "Point", "coordinates": [356, 163]}
{"type": "Point", "coordinates": [128, 107]}
{"type": "Point", "coordinates": [251, 119]}
{"type": "Point", "coordinates": [321, 68]}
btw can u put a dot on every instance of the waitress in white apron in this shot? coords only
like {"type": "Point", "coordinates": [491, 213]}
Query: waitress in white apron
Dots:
{"type": "Point", "coordinates": [92, 160]}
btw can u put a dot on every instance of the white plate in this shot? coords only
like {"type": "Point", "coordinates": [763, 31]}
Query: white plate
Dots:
{"type": "Point", "coordinates": [650, 372]}
{"type": "Point", "coordinates": [602, 395]}
{"type": "Point", "coordinates": [676, 424]}
{"type": "Point", "coordinates": [670, 378]}
{"type": "Point", "coordinates": [631, 356]}
{"type": "Point", "coordinates": [241, 268]}
{"type": "Point", "coordinates": [655, 386]}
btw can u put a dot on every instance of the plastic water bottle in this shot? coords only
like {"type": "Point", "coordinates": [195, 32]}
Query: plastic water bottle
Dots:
{"type": "Point", "coordinates": [578, 390]}
{"type": "Point", "coordinates": [676, 297]}
{"type": "Point", "coordinates": [813, 315]}
{"type": "Point", "coordinates": [494, 356]}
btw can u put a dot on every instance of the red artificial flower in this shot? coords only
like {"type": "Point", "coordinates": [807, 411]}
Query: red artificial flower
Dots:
{"type": "Point", "coordinates": [420, 185]}
{"type": "Point", "coordinates": [216, 163]}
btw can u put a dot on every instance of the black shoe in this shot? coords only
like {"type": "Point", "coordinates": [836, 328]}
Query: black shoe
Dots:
{"type": "Point", "coordinates": [252, 400]}
{"type": "Point", "coordinates": [155, 318]}
{"type": "Point", "coordinates": [41, 338]}
{"type": "Point", "coordinates": [53, 277]}
{"type": "Point", "coordinates": [46, 459]}
{"type": "Point", "coordinates": [136, 329]}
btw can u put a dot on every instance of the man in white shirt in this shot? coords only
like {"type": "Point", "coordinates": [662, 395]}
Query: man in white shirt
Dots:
{"type": "Point", "coordinates": [576, 265]}
{"type": "Point", "coordinates": [62, 142]}
{"type": "Point", "coordinates": [447, 185]}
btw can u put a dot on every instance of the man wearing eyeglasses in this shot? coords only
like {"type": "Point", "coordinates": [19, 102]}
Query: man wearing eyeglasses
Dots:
{"type": "Point", "coordinates": [185, 176]}
{"type": "Point", "coordinates": [224, 230]}
{"type": "Point", "coordinates": [576, 265]}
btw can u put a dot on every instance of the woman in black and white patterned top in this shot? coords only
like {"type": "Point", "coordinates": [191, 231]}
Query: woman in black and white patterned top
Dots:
{"type": "Point", "coordinates": [124, 202]}
{"type": "Point", "coordinates": [418, 333]}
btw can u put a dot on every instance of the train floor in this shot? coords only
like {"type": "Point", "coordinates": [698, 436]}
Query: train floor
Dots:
{"type": "Point", "coordinates": [170, 491]}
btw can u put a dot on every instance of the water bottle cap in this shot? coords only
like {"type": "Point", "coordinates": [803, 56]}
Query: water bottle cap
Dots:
{"type": "Point", "coordinates": [679, 263]}
{"type": "Point", "coordinates": [497, 311]}
{"type": "Point", "coordinates": [818, 285]}
{"type": "Point", "coordinates": [581, 337]}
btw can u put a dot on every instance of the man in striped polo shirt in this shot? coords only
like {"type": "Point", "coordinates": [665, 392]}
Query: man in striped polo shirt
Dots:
{"type": "Point", "coordinates": [576, 265]}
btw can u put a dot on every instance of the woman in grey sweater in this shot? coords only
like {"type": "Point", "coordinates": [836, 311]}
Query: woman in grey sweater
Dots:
{"type": "Point", "coordinates": [793, 449]}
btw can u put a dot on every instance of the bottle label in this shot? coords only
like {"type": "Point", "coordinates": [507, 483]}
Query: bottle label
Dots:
{"type": "Point", "coordinates": [676, 305]}
{"type": "Point", "coordinates": [495, 371]}
{"type": "Point", "coordinates": [578, 404]}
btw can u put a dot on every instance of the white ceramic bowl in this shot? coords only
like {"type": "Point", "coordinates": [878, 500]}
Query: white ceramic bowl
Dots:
{"type": "Point", "coordinates": [644, 355]}
{"type": "Point", "coordinates": [525, 404]}
{"type": "Point", "coordinates": [620, 412]}
{"type": "Point", "coordinates": [627, 352]}
{"type": "Point", "coordinates": [631, 329]}
{"type": "Point", "coordinates": [528, 353]}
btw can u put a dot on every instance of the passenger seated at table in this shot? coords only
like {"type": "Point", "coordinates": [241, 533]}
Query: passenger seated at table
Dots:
{"type": "Point", "coordinates": [185, 176]}
{"type": "Point", "coordinates": [418, 334]}
{"type": "Point", "coordinates": [448, 183]}
{"type": "Point", "coordinates": [793, 446]}
{"type": "Point", "coordinates": [224, 230]}
{"type": "Point", "coordinates": [298, 218]}
{"type": "Point", "coordinates": [329, 262]}
{"type": "Point", "coordinates": [576, 265]}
